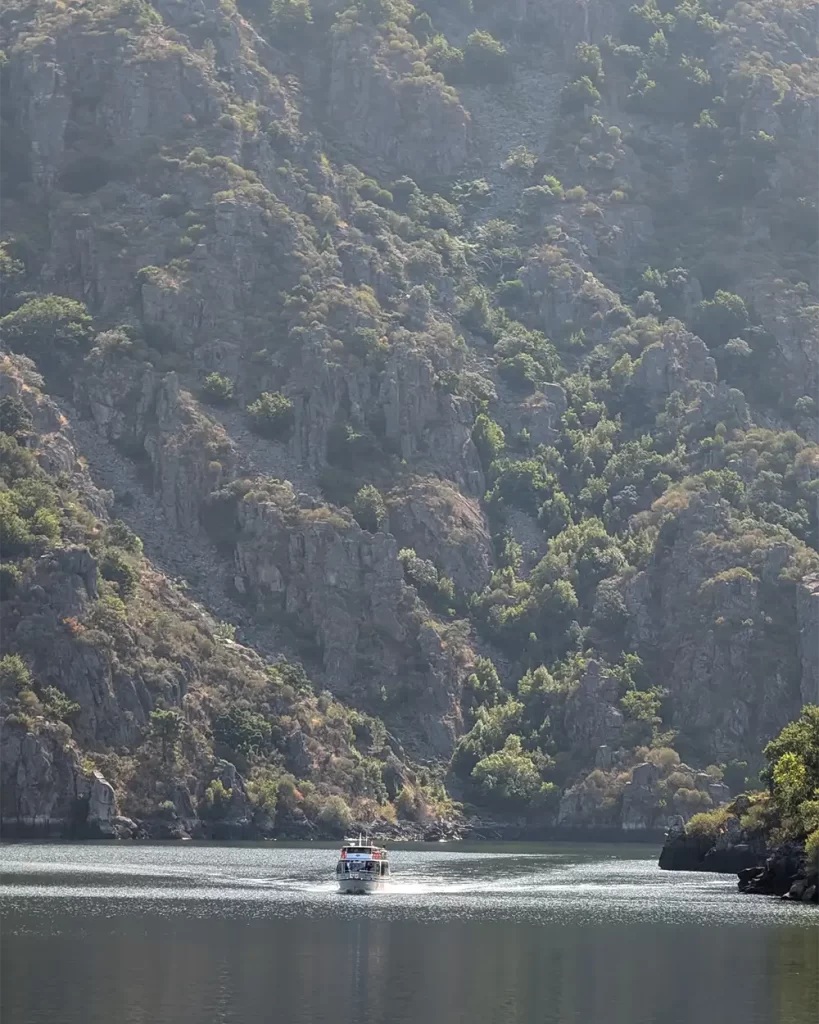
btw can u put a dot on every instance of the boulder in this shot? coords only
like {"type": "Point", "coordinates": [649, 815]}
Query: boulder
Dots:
{"type": "Point", "coordinates": [102, 806]}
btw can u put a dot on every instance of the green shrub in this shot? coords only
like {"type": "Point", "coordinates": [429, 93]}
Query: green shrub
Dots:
{"type": "Point", "coordinates": [289, 796]}
{"type": "Point", "coordinates": [372, 191]}
{"type": "Point", "coordinates": [47, 327]}
{"type": "Point", "coordinates": [14, 417]}
{"type": "Point", "coordinates": [410, 804]}
{"type": "Point", "coordinates": [580, 93]}
{"type": "Point", "coordinates": [218, 389]}
{"type": "Point", "coordinates": [588, 63]}
{"type": "Point", "coordinates": [16, 537]}
{"type": "Point", "coordinates": [271, 415]}
{"type": "Point", "coordinates": [116, 567]}
{"type": "Point", "coordinates": [335, 815]}
{"type": "Point", "coordinates": [58, 704]}
{"type": "Point", "coordinates": [483, 686]}
{"type": "Point", "coordinates": [446, 59]}
{"type": "Point", "coordinates": [122, 536]}
{"type": "Point", "coordinates": [290, 20]}
{"type": "Point", "coordinates": [524, 483]}
{"type": "Point", "coordinates": [403, 190]}
{"type": "Point", "coordinates": [166, 728]}
{"type": "Point", "coordinates": [422, 27]}
{"type": "Point", "coordinates": [812, 849]}
{"type": "Point", "coordinates": [217, 800]}
{"type": "Point", "coordinates": [14, 674]}
{"type": "Point", "coordinates": [708, 823]}
{"type": "Point", "coordinates": [419, 571]}
{"type": "Point", "coordinates": [263, 792]}
{"type": "Point", "coordinates": [522, 371]}
{"type": "Point", "coordinates": [437, 591]}
{"type": "Point", "coordinates": [485, 59]}
{"type": "Point", "coordinates": [511, 294]}
{"type": "Point", "coordinates": [369, 509]}
{"type": "Point", "coordinates": [12, 270]}
{"type": "Point", "coordinates": [722, 318]}
{"type": "Point", "coordinates": [520, 160]}
{"type": "Point", "coordinates": [242, 731]}
{"type": "Point", "coordinates": [10, 576]}
{"type": "Point", "coordinates": [508, 778]}
{"type": "Point", "coordinates": [488, 438]}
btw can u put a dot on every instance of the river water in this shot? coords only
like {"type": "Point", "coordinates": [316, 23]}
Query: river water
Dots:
{"type": "Point", "coordinates": [510, 933]}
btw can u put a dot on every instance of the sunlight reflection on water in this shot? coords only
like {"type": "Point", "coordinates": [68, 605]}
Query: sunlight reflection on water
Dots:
{"type": "Point", "coordinates": [504, 934]}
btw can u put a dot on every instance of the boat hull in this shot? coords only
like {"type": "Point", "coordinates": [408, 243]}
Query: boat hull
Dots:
{"type": "Point", "coordinates": [362, 886]}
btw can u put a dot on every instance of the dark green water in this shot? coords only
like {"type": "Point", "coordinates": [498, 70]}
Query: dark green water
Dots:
{"type": "Point", "coordinates": [507, 934]}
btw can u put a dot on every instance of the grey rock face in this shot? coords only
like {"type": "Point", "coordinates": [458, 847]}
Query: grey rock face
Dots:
{"type": "Point", "coordinates": [44, 790]}
{"type": "Point", "coordinates": [386, 112]}
{"type": "Point", "coordinates": [345, 589]}
{"type": "Point", "coordinates": [568, 294]}
{"type": "Point", "coordinates": [807, 610]}
{"type": "Point", "coordinates": [591, 718]}
{"type": "Point", "coordinates": [58, 80]}
{"type": "Point", "coordinates": [147, 414]}
{"type": "Point", "coordinates": [645, 775]}
{"type": "Point", "coordinates": [671, 364]}
{"type": "Point", "coordinates": [708, 621]}
{"type": "Point", "coordinates": [539, 413]}
{"type": "Point", "coordinates": [604, 758]}
{"type": "Point", "coordinates": [102, 804]}
{"type": "Point", "coordinates": [441, 524]}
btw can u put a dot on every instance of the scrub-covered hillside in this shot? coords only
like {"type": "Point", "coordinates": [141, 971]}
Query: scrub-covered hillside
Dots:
{"type": "Point", "coordinates": [405, 405]}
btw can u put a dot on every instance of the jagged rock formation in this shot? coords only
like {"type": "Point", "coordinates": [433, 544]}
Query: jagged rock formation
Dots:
{"type": "Point", "coordinates": [467, 357]}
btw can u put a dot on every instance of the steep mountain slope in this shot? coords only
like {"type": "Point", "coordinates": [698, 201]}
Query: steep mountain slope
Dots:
{"type": "Point", "coordinates": [468, 357]}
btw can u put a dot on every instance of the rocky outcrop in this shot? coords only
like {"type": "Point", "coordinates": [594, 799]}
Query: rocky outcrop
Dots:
{"type": "Point", "coordinates": [539, 414]}
{"type": "Point", "coordinates": [331, 576]}
{"type": "Point", "coordinates": [69, 80]}
{"type": "Point", "coordinates": [443, 525]}
{"type": "Point", "coordinates": [591, 717]}
{"type": "Point", "coordinates": [807, 612]}
{"type": "Point", "coordinates": [672, 363]}
{"type": "Point", "coordinates": [404, 405]}
{"type": "Point", "coordinates": [730, 852]}
{"type": "Point", "coordinates": [640, 798]}
{"type": "Point", "coordinates": [636, 798]}
{"type": "Point", "coordinates": [387, 112]}
{"type": "Point", "coordinates": [732, 683]}
{"type": "Point", "coordinates": [783, 873]}
{"type": "Point", "coordinates": [343, 589]}
{"type": "Point", "coordinates": [565, 292]}
{"type": "Point", "coordinates": [147, 415]}
{"type": "Point", "coordinates": [45, 791]}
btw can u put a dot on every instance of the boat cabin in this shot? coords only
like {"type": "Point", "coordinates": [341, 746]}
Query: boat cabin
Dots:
{"type": "Point", "coordinates": [363, 860]}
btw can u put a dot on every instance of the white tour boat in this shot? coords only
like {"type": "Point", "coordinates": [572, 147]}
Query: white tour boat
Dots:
{"type": "Point", "coordinates": [362, 867]}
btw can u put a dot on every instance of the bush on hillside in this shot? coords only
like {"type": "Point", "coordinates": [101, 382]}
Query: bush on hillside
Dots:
{"type": "Point", "coordinates": [486, 60]}
{"type": "Point", "coordinates": [218, 389]}
{"type": "Point", "coordinates": [335, 815]}
{"type": "Point", "coordinates": [369, 509]}
{"type": "Point", "coordinates": [271, 415]}
{"type": "Point", "coordinates": [708, 824]}
{"type": "Point", "coordinates": [47, 327]}
{"type": "Point", "coordinates": [577, 95]}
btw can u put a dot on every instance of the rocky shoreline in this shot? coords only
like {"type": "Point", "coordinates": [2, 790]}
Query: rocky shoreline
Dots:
{"type": "Point", "coordinates": [442, 830]}
{"type": "Point", "coordinates": [727, 854]}
{"type": "Point", "coordinates": [762, 870]}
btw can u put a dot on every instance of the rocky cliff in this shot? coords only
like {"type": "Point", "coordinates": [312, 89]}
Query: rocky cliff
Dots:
{"type": "Point", "coordinates": [466, 358]}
